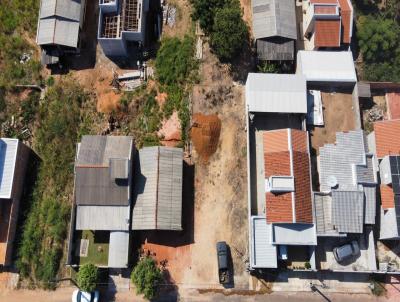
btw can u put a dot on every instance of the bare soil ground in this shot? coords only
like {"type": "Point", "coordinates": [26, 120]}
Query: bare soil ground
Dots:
{"type": "Point", "coordinates": [339, 115]}
{"type": "Point", "coordinates": [220, 185]}
{"type": "Point", "coordinates": [182, 21]}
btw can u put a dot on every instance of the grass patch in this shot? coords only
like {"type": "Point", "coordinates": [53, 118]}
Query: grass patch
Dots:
{"type": "Point", "coordinates": [98, 247]}
{"type": "Point", "coordinates": [45, 226]}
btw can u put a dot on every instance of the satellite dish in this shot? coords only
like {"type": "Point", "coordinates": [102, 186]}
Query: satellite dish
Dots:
{"type": "Point", "coordinates": [332, 181]}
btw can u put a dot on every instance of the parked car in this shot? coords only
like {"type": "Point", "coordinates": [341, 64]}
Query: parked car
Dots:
{"type": "Point", "coordinates": [80, 296]}
{"type": "Point", "coordinates": [223, 263]}
{"type": "Point", "coordinates": [346, 251]}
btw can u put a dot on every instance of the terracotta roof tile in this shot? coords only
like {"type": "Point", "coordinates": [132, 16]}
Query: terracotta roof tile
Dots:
{"type": "Point", "coordinates": [346, 12]}
{"type": "Point", "coordinates": [393, 104]}
{"type": "Point", "coordinates": [277, 163]}
{"type": "Point", "coordinates": [387, 197]}
{"type": "Point", "coordinates": [302, 184]}
{"type": "Point", "coordinates": [387, 137]}
{"type": "Point", "coordinates": [279, 206]}
{"type": "Point", "coordinates": [276, 140]}
{"type": "Point", "coordinates": [324, 1]}
{"type": "Point", "coordinates": [325, 9]}
{"type": "Point", "coordinates": [327, 33]}
{"type": "Point", "coordinates": [299, 140]}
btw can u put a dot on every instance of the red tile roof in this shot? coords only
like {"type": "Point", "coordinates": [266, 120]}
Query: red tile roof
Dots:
{"type": "Point", "coordinates": [325, 9]}
{"type": "Point", "coordinates": [302, 185]}
{"type": "Point", "coordinates": [276, 141]}
{"type": "Point", "coordinates": [387, 197]}
{"type": "Point", "coordinates": [277, 161]}
{"type": "Point", "coordinates": [393, 105]}
{"type": "Point", "coordinates": [327, 33]}
{"type": "Point", "coordinates": [387, 138]}
{"type": "Point", "coordinates": [346, 11]}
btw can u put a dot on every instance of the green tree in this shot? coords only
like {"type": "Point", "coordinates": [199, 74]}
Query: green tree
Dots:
{"type": "Point", "coordinates": [204, 12]}
{"type": "Point", "coordinates": [230, 32]}
{"type": "Point", "coordinates": [146, 276]}
{"type": "Point", "coordinates": [87, 277]}
{"type": "Point", "coordinates": [378, 39]}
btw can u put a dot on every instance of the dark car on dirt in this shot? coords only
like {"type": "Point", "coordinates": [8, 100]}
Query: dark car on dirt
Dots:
{"type": "Point", "coordinates": [223, 263]}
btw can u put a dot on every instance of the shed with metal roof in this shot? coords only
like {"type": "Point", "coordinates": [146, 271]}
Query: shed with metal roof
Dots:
{"type": "Point", "coordinates": [158, 189]}
{"type": "Point", "coordinates": [326, 66]}
{"type": "Point", "coordinates": [276, 93]}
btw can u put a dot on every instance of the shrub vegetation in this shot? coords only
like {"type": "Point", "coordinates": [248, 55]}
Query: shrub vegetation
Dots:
{"type": "Point", "coordinates": [87, 277]}
{"type": "Point", "coordinates": [146, 276]}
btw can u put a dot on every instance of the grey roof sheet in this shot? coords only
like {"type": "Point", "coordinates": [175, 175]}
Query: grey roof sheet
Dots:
{"type": "Point", "coordinates": [263, 253]}
{"type": "Point", "coordinates": [294, 234]}
{"type": "Point", "coordinates": [118, 251]}
{"type": "Point", "coordinates": [370, 204]}
{"type": "Point", "coordinates": [158, 187]}
{"type": "Point", "coordinates": [348, 211]}
{"type": "Point", "coordinates": [57, 31]}
{"type": "Point", "coordinates": [280, 93]}
{"type": "Point", "coordinates": [275, 50]}
{"type": "Point", "coordinates": [102, 218]}
{"type": "Point", "coordinates": [323, 215]}
{"type": "Point", "coordinates": [99, 149]}
{"type": "Point", "coordinates": [94, 182]}
{"type": "Point", "coordinates": [8, 159]}
{"type": "Point", "coordinates": [94, 186]}
{"type": "Point", "coordinates": [365, 173]}
{"type": "Point", "coordinates": [69, 9]}
{"type": "Point", "coordinates": [274, 18]}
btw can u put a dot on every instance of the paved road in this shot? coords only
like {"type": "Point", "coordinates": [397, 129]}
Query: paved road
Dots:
{"type": "Point", "coordinates": [64, 295]}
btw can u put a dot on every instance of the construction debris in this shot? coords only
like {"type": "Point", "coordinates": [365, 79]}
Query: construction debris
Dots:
{"type": "Point", "coordinates": [375, 114]}
{"type": "Point", "coordinates": [169, 14]}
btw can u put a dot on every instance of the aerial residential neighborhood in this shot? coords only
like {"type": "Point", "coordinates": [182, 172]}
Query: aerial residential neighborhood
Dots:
{"type": "Point", "coordinates": [199, 150]}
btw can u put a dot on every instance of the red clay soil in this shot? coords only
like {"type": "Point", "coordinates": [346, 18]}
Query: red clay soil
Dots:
{"type": "Point", "coordinates": [205, 134]}
{"type": "Point", "coordinates": [170, 132]}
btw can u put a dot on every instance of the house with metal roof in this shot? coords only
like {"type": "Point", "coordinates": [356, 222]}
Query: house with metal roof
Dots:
{"type": "Point", "coordinates": [101, 212]}
{"type": "Point", "coordinates": [347, 177]}
{"type": "Point", "coordinates": [327, 24]}
{"type": "Point", "coordinates": [276, 93]}
{"type": "Point", "coordinates": [158, 189]}
{"type": "Point", "coordinates": [121, 22]}
{"type": "Point", "coordinates": [327, 67]}
{"type": "Point", "coordinates": [14, 157]}
{"type": "Point", "coordinates": [274, 29]}
{"type": "Point", "coordinates": [385, 140]}
{"type": "Point", "coordinates": [59, 26]}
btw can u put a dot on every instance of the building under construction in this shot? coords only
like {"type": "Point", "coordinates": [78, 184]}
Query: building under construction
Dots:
{"type": "Point", "coordinates": [121, 21]}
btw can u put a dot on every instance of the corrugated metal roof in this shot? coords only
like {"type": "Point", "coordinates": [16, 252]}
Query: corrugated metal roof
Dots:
{"type": "Point", "coordinates": [284, 93]}
{"type": "Point", "coordinates": [263, 253]}
{"type": "Point", "coordinates": [69, 9]}
{"type": "Point", "coordinates": [274, 18]}
{"type": "Point", "coordinates": [8, 157]}
{"type": "Point", "coordinates": [94, 186]}
{"type": "Point", "coordinates": [294, 234]}
{"type": "Point", "coordinates": [323, 215]}
{"type": "Point", "coordinates": [118, 251]}
{"type": "Point", "coordinates": [97, 150]}
{"type": "Point", "coordinates": [326, 66]}
{"type": "Point", "coordinates": [275, 49]}
{"type": "Point", "coordinates": [370, 204]}
{"type": "Point", "coordinates": [102, 218]}
{"type": "Point", "coordinates": [348, 211]}
{"type": "Point", "coordinates": [158, 187]}
{"type": "Point", "coordinates": [56, 31]}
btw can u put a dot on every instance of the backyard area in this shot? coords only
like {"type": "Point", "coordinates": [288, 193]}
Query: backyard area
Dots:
{"type": "Point", "coordinates": [91, 247]}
